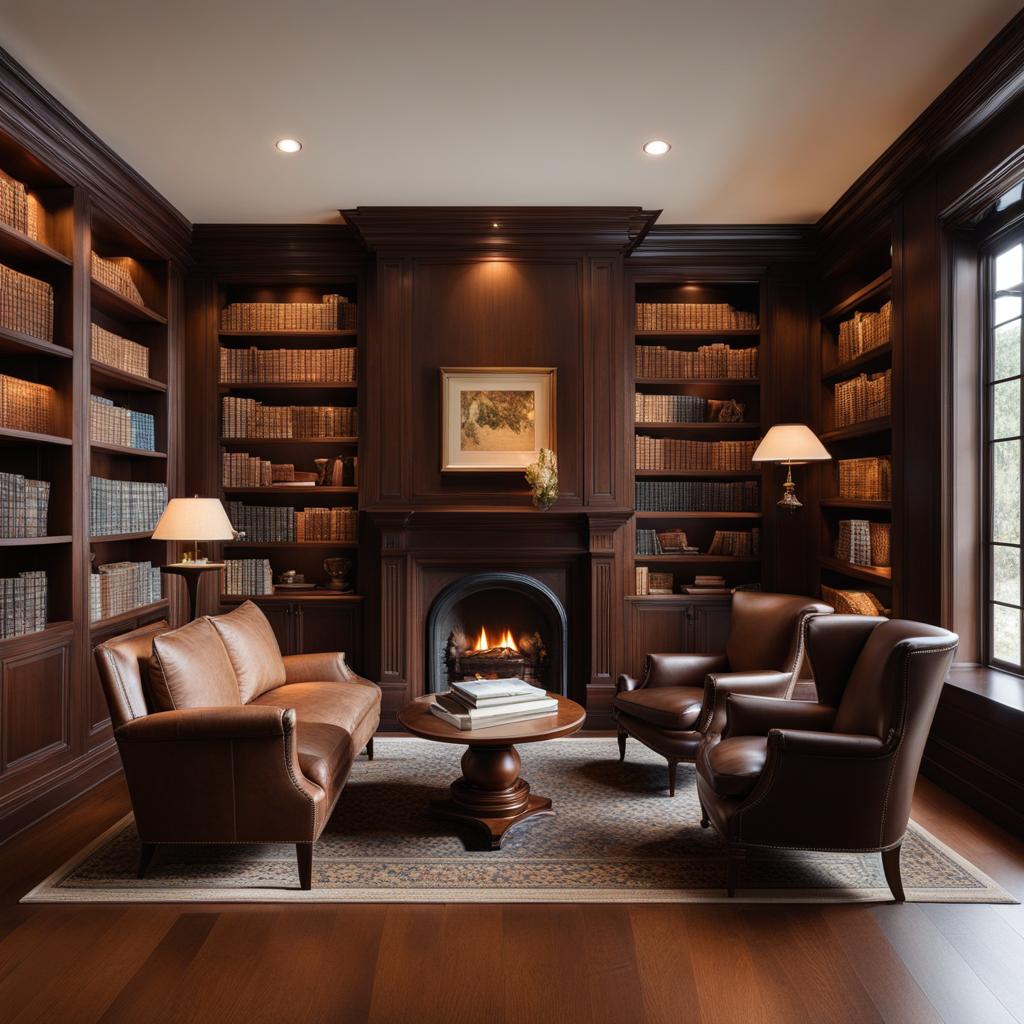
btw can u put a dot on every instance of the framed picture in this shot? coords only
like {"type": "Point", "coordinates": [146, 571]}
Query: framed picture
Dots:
{"type": "Point", "coordinates": [494, 418]}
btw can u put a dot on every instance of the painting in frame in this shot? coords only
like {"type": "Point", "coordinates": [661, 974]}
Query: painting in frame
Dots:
{"type": "Point", "coordinates": [495, 419]}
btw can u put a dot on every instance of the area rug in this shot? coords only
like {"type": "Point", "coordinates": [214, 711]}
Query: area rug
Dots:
{"type": "Point", "coordinates": [616, 836]}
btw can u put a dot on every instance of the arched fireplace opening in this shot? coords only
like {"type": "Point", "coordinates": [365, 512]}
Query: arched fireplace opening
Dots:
{"type": "Point", "coordinates": [495, 625]}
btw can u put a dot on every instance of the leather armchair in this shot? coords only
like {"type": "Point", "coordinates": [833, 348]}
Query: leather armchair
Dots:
{"type": "Point", "coordinates": [267, 768]}
{"type": "Point", "coordinates": [839, 773]}
{"type": "Point", "coordinates": [682, 696]}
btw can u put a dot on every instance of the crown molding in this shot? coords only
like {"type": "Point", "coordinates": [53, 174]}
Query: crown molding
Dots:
{"type": "Point", "coordinates": [244, 250]}
{"type": "Point", "coordinates": [992, 80]}
{"type": "Point", "coordinates": [395, 229]}
{"type": "Point", "coordinates": [44, 126]}
{"type": "Point", "coordinates": [757, 243]}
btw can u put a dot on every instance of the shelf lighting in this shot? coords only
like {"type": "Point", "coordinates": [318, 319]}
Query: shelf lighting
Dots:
{"type": "Point", "coordinates": [657, 147]}
{"type": "Point", "coordinates": [288, 145]}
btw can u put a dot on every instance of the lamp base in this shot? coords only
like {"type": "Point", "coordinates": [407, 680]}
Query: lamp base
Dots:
{"type": "Point", "coordinates": [789, 500]}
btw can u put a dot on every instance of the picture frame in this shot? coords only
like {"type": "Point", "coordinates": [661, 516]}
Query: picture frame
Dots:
{"type": "Point", "coordinates": [495, 419]}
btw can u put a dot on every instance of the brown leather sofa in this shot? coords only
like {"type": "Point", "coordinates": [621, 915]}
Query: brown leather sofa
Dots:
{"type": "Point", "coordinates": [224, 741]}
{"type": "Point", "coordinates": [837, 774]}
{"type": "Point", "coordinates": [682, 696]}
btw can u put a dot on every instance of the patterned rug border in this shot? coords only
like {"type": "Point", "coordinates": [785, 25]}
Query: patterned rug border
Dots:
{"type": "Point", "coordinates": [49, 891]}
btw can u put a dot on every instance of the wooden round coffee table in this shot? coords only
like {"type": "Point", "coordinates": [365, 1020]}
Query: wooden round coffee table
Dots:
{"type": "Point", "coordinates": [491, 796]}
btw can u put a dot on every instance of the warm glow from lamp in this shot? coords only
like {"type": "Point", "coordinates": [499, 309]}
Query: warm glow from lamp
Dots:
{"type": "Point", "coordinates": [194, 519]}
{"type": "Point", "coordinates": [791, 444]}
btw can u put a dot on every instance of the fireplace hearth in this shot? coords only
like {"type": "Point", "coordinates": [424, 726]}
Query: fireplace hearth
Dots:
{"type": "Point", "coordinates": [497, 625]}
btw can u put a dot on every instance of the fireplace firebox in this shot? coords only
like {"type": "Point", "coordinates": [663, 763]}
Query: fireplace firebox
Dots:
{"type": "Point", "coordinates": [495, 625]}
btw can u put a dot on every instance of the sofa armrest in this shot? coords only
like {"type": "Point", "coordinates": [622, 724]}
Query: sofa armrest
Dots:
{"type": "Point", "coordinates": [626, 683]}
{"type": "Point", "coordinates": [719, 685]}
{"type": "Point", "coordinates": [245, 722]}
{"type": "Point", "coordinates": [825, 744]}
{"type": "Point", "coordinates": [320, 667]}
{"type": "Point", "coordinates": [681, 669]}
{"type": "Point", "coordinates": [746, 715]}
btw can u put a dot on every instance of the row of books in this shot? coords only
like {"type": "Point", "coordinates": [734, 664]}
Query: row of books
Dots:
{"type": "Point", "coordinates": [247, 417]}
{"type": "Point", "coordinates": [23, 506]}
{"type": "Point", "coordinates": [707, 584]}
{"type": "Point", "coordinates": [113, 273]}
{"type": "Point", "coordinates": [867, 479]}
{"type": "Point", "coordinates": [333, 312]}
{"type": "Point", "coordinates": [23, 603]}
{"type": "Point", "coordinates": [649, 543]}
{"type": "Point", "coordinates": [25, 405]}
{"type": "Point", "coordinates": [115, 424]}
{"type": "Point", "coordinates": [341, 524]}
{"type": "Point", "coordinates": [862, 542]}
{"type": "Point", "coordinates": [649, 582]}
{"type": "Point", "coordinates": [677, 454]}
{"type": "Point", "coordinates": [26, 304]}
{"type": "Point", "coordinates": [240, 469]}
{"type": "Point", "coordinates": [119, 353]}
{"type": "Point", "coordinates": [19, 209]}
{"type": "Point", "coordinates": [698, 496]}
{"type": "Point", "coordinates": [867, 396]}
{"type": "Point", "coordinates": [124, 506]}
{"type": "Point", "coordinates": [285, 524]}
{"type": "Point", "coordinates": [736, 543]}
{"type": "Point", "coordinates": [864, 332]}
{"type": "Point", "coordinates": [118, 587]}
{"type": "Point", "coordinates": [249, 576]}
{"type": "Point", "coordinates": [693, 316]}
{"type": "Point", "coordinates": [488, 703]}
{"type": "Point", "coordinates": [670, 408]}
{"type": "Point", "coordinates": [287, 365]}
{"type": "Point", "coordinates": [709, 361]}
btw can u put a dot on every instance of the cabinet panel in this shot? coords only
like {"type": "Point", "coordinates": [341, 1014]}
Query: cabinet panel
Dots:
{"type": "Point", "coordinates": [34, 706]}
{"type": "Point", "coordinates": [329, 627]}
{"type": "Point", "coordinates": [673, 626]}
{"type": "Point", "coordinates": [710, 627]}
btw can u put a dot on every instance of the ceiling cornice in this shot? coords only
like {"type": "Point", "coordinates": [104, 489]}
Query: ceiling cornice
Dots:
{"type": "Point", "coordinates": [765, 243]}
{"type": "Point", "coordinates": [38, 121]}
{"type": "Point", "coordinates": [395, 229]}
{"type": "Point", "coordinates": [993, 79]}
{"type": "Point", "coordinates": [248, 249]}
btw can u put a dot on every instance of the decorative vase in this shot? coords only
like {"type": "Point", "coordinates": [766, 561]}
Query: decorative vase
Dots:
{"type": "Point", "coordinates": [542, 476]}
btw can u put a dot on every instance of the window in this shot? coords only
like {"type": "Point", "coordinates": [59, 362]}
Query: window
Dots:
{"type": "Point", "coordinates": [1003, 434]}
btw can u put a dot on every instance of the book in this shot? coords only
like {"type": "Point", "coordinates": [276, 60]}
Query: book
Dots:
{"type": "Point", "coordinates": [498, 702]}
{"type": "Point", "coordinates": [454, 713]}
{"type": "Point", "coordinates": [482, 692]}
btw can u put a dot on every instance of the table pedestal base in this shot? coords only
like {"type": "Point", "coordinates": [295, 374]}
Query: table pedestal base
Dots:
{"type": "Point", "coordinates": [490, 796]}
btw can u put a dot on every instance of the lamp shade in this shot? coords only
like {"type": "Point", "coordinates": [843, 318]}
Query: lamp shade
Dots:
{"type": "Point", "coordinates": [194, 519]}
{"type": "Point", "coordinates": [790, 442]}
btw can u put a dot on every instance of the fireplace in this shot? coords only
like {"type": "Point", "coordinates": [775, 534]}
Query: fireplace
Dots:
{"type": "Point", "coordinates": [496, 625]}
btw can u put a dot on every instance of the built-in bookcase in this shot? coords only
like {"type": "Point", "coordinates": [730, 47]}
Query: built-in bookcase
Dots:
{"type": "Point", "coordinates": [306, 556]}
{"type": "Point", "coordinates": [661, 345]}
{"type": "Point", "coordinates": [861, 291]}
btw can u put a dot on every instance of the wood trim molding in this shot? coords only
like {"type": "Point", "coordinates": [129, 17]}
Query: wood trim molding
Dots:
{"type": "Point", "coordinates": [45, 126]}
{"type": "Point", "coordinates": [725, 244]}
{"type": "Point", "coordinates": [993, 79]}
{"type": "Point", "coordinates": [244, 251]}
{"type": "Point", "coordinates": [396, 229]}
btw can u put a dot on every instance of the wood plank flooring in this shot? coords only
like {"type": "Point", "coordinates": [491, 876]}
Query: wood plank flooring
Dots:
{"type": "Point", "coordinates": [520, 964]}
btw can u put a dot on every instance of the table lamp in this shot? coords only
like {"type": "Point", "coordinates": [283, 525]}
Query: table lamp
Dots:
{"type": "Point", "coordinates": [791, 444]}
{"type": "Point", "coordinates": [193, 519]}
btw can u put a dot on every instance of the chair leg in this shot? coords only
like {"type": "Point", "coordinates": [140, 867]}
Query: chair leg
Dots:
{"type": "Point", "coordinates": [304, 852]}
{"type": "Point", "coordinates": [672, 777]}
{"type": "Point", "coordinates": [369, 749]}
{"type": "Point", "coordinates": [146, 852]}
{"type": "Point", "coordinates": [891, 867]}
{"type": "Point", "coordinates": [736, 857]}
{"type": "Point", "coordinates": [705, 821]}
{"type": "Point", "coordinates": [622, 745]}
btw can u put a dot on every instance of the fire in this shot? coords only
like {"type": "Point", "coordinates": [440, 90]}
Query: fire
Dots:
{"type": "Point", "coordinates": [506, 643]}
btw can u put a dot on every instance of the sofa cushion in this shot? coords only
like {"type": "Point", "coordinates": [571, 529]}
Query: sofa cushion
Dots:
{"type": "Point", "coordinates": [190, 668]}
{"type": "Point", "coordinates": [334, 721]}
{"type": "Point", "coordinates": [669, 707]}
{"type": "Point", "coordinates": [734, 765]}
{"type": "Point", "coordinates": [253, 650]}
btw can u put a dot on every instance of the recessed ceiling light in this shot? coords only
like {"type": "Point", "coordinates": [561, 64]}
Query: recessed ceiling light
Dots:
{"type": "Point", "coordinates": [656, 147]}
{"type": "Point", "coordinates": [288, 145]}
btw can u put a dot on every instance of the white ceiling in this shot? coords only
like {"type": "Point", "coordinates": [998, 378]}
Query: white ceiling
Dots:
{"type": "Point", "coordinates": [773, 107]}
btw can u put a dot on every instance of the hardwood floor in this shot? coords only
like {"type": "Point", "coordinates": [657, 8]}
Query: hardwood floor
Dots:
{"type": "Point", "coordinates": [600, 964]}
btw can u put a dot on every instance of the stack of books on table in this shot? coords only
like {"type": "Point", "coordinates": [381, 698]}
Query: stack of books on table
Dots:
{"type": "Point", "coordinates": [482, 703]}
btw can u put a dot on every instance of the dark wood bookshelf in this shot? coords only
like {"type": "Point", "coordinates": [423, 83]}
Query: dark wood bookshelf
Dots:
{"type": "Point", "coordinates": [128, 617]}
{"type": "Point", "coordinates": [698, 559]}
{"type": "Point", "coordinates": [121, 380]}
{"type": "Point", "coordinates": [878, 358]}
{"type": "Point", "coordinates": [112, 538]}
{"type": "Point", "coordinates": [10, 436]}
{"type": "Point", "coordinates": [699, 515]}
{"type": "Point", "coordinates": [878, 287]}
{"type": "Point", "coordinates": [120, 449]}
{"type": "Point", "coordinates": [857, 430]}
{"type": "Point", "coordinates": [292, 335]}
{"type": "Point", "coordinates": [120, 307]}
{"type": "Point", "coordinates": [857, 503]}
{"type": "Point", "coordinates": [237, 385]}
{"type": "Point", "coordinates": [291, 596]}
{"type": "Point", "coordinates": [17, 343]}
{"type": "Point", "coordinates": [697, 474]}
{"type": "Point", "coordinates": [288, 440]}
{"type": "Point", "coordinates": [750, 382]}
{"type": "Point", "coordinates": [871, 574]}
{"type": "Point", "coordinates": [707, 335]}
{"type": "Point", "coordinates": [24, 542]}
{"type": "Point", "coordinates": [697, 428]}
{"type": "Point", "coordinates": [341, 544]}
{"type": "Point", "coordinates": [28, 254]}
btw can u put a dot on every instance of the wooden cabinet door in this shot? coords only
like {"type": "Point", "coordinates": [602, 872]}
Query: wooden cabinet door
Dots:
{"type": "Point", "coordinates": [282, 617]}
{"type": "Point", "coordinates": [709, 626]}
{"type": "Point", "coordinates": [329, 627]}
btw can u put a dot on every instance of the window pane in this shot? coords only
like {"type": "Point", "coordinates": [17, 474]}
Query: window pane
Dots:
{"type": "Point", "coordinates": [1006, 409]}
{"type": "Point", "coordinates": [1006, 574]}
{"type": "Point", "coordinates": [1006, 308]}
{"type": "Point", "coordinates": [1008, 268]}
{"type": "Point", "coordinates": [1006, 634]}
{"type": "Point", "coordinates": [1006, 492]}
{"type": "Point", "coordinates": [1006, 356]}
{"type": "Point", "coordinates": [1011, 196]}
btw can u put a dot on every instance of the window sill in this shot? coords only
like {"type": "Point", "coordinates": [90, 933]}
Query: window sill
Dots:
{"type": "Point", "coordinates": [1000, 688]}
